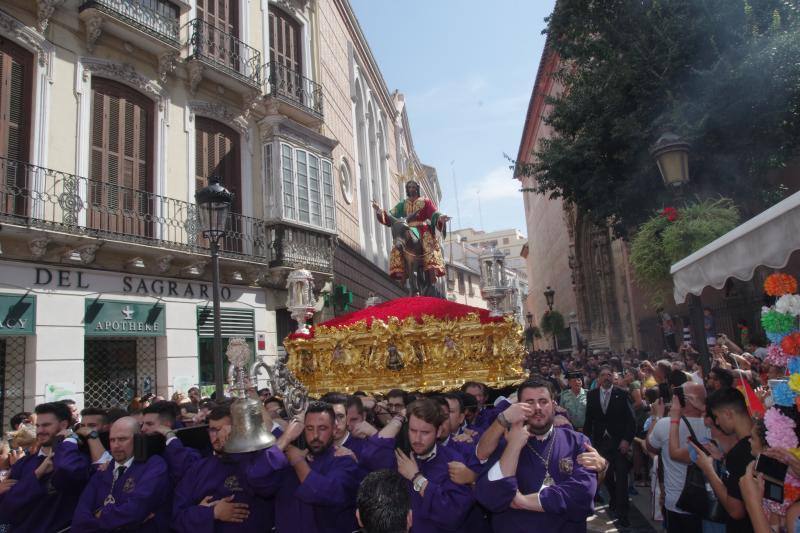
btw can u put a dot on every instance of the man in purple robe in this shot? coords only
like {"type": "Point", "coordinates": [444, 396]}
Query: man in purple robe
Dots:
{"type": "Point", "coordinates": [538, 483]}
{"type": "Point", "coordinates": [318, 492]}
{"type": "Point", "coordinates": [129, 495]}
{"type": "Point", "coordinates": [486, 414]}
{"type": "Point", "coordinates": [46, 485]}
{"type": "Point", "coordinates": [229, 492]}
{"type": "Point", "coordinates": [438, 503]}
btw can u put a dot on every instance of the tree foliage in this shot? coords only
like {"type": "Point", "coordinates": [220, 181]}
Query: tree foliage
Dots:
{"type": "Point", "coordinates": [661, 242]}
{"type": "Point", "coordinates": [724, 74]}
{"type": "Point", "coordinates": [552, 323]}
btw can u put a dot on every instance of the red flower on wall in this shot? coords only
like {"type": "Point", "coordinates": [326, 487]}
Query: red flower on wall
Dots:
{"type": "Point", "coordinates": [670, 213]}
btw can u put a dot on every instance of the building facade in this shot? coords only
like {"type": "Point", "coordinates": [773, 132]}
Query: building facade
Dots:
{"type": "Point", "coordinates": [586, 267]}
{"type": "Point", "coordinates": [114, 113]}
{"type": "Point", "coordinates": [508, 241]}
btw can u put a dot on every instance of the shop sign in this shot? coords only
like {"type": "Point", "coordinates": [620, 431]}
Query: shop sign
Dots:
{"type": "Point", "coordinates": [17, 314]}
{"type": "Point", "coordinates": [109, 318]}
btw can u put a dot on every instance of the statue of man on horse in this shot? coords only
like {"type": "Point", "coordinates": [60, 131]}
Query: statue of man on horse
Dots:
{"type": "Point", "coordinates": [416, 256]}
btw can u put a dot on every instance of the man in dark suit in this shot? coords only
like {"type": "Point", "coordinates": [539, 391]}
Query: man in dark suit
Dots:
{"type": "Point", "coordinates": [610, 424]}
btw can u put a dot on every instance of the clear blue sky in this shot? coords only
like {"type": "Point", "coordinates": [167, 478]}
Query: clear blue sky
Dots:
{"type": "Point", "coordinates": [467, 69]}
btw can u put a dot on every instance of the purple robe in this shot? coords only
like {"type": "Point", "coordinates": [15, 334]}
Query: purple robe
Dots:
{"type": "Point", "coordinates": [179, 459]}
{"type": "Point", "coordinates": [141, 491]}
{"type": "Point", "coordinates": [46, 504]}
{"type": "Point", "coordinates": [486, 417]}
{"type": "Point", "coordinates": [324, 502]}
{"type": "Point", "coordinates": [445, 505]}
{"type": "Point", "coordinates": [567, 503]}
{"type": "Point", "coordinates": [252, 478]}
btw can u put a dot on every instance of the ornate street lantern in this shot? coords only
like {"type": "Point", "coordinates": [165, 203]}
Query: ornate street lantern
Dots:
{"type": "Point", "coordinates": [301, 301]}
{"type": "Point", "coordinates": [672, 157]}
{"type": "Point", "coordinates": [494, 283]}
{"type": "Point", "coordinates": [549, 296]}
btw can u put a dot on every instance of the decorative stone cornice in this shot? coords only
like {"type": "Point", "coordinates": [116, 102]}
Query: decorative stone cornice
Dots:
{"type": "Point", "coordinates": [195, 269]}
{"type": "Point", "coordinates": [293, 6]}
{"type": "Point", "coordinates": [164, 263]}
{"type": "Point", "coordinates": [195, 70]}
{"type": "Point", "coordinates": [44, 11]}
{"type": "Point", "coordinates": [85, 254]}
{"type": "Point", "coordinates": [27, 37]}
{"type": "Point", "coordinates": [167, 63]}
{"type": "Point", "coordinates": [94, 27]}
{"type": "Point", "coordinates": [219, 112]}
{"type": "Point", "coordinates": [125, 73]}
{"type": "Point", "coordinates": [38, 247]}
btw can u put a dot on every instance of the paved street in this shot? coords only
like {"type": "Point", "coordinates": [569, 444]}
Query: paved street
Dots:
{"type": "Point", "coordinates": [639, 516]}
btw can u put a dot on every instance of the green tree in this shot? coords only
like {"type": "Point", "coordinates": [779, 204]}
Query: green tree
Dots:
{"type": "Point", "coordinates": [724, 74]}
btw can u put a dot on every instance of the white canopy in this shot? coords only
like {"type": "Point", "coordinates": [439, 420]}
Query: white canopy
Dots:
{"type": "Point", "coordinates": [767, 239]}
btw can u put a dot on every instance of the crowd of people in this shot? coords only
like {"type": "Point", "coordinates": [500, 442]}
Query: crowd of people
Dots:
{"type": "Point", "coordinates": [530, 458]}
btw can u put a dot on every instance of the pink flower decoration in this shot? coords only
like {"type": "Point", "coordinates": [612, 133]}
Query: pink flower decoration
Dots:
{"type": "Point", "coordinates": [775, 356]}
{"type": "Point", "coordinates": [780, 429]}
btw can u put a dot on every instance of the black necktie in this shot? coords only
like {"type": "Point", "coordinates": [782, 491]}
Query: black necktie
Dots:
{"type": "Point", "coordinates": [120, 471]}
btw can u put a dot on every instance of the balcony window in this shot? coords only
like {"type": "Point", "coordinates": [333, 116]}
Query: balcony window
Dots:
{"type": "Point", "coordinates": [307, 181]}
{"type": "Point", "coordinates": [155, 17]}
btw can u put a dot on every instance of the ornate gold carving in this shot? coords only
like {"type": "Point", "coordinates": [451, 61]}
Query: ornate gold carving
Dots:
{"type": "Point", "coordinates": [432, 355]}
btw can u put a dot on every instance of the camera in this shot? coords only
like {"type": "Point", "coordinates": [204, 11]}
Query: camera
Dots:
{"type": "Point", "coordinates": [774, 474]}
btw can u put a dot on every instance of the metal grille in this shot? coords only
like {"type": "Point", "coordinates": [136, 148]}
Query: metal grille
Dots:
{"type": "Point", "coordinates": [12, 364]}
{"type": "Point", "coordinates": [116, 370]}
{"type": "Point", "coordinates": [234, 322]}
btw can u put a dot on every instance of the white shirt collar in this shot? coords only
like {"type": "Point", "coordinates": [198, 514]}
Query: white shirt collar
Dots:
{"type": "Point", "coordinates": [446, 441]}
{"type": "Point", "coordinates": [275, 426]}
{"type": "Point", "coordinates": [41, 453]}
{"type": "Point", "coordinates": [127, 464]}
{"type": "Point", "coordinates": [428, 456]}
{"type": "Point", "coordinates": [345, 439]}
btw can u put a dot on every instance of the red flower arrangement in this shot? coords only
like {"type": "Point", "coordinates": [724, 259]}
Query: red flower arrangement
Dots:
{"type": "Point", "coordinates": [778, 284]}
{"type": "Point", "coordinates": [791, 344]}
{"type": "Point", "coordinates": [670, 213]}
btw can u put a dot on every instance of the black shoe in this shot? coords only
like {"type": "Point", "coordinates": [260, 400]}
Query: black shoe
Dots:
{"type": "Point", "coordinates": [599, 499]}
{"type": "Point", "coordinates": [623, 521]}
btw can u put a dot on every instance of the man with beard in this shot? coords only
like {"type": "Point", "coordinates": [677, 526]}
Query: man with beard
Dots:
{"type": "Point", "coordinates": [43, 488]}
{"type": "Point", "coordinates": [611, 426]}
{"type": "Point", "coordinates": [128, 494]}
{"type": "Point", "coordinates": [318, 492]}
{"type": "Point", "coordinates": [229, 492]}
{"type": "Point", "coordinates": [437, 502]}
{"type": "Point", "coordinates": [540, 482]}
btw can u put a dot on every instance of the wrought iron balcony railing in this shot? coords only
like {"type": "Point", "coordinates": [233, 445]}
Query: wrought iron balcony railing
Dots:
{"type": "Point", "coordinates": [223, 51]}
{"type": "Point", "coordinates": [287, 84]}
{"type": "Point", "coordinates": [143, 18]}
{"type": "Point", "coordinates": [40, 197]}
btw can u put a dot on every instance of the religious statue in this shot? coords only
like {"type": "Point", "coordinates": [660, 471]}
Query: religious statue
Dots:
{"type": "Point", "coordinates": [416, 255]}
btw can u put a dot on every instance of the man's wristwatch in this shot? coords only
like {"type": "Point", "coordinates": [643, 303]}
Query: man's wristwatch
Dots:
{"type": "Point", "coordinates": [419, 482]}
{"type": "Point", "coordinates": [501, 419]}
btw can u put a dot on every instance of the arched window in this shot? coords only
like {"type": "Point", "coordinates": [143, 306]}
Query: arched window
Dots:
{"type": "Point", "coordinates": [121, 159]}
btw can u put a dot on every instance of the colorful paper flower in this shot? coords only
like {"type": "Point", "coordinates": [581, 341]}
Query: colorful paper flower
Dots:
{"type": "Point", "coordinates": [795, 452]}
{"type": "Point", "coordinates": [794, 382]}
{"type": "Point", "coordinates": [793, 364]}
{"type": "Point", "coordinates": [775, 322]}
{"type": "Point", "coordinates": [780, 429]}
{"type": "Point", "coordinates": [775, 356]}
{"type": "Point", "coordinates": [782, 394]}
{"type": "Point", "coordinates": [789, 304]}
{"type": "Point", "coordinates": [791, 344]}
{"type": "Point", "coordinates": [778, 284]}
{"type": "Point", "coordinates": [775, 338]}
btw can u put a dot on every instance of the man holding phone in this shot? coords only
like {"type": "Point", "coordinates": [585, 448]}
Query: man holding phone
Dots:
{"type": "Point", "coordinates": [668, 437]}
{"type": "Point", "coordinates": [728, 409]}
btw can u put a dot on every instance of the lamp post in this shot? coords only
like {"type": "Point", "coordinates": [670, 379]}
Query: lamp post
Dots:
{"type": "Point", "coordinates": [672, 158]}
{"type": "Point", "coordinates": [550, 296]}
{"type": "Point", "coordinates": [529, 332]}
{"type": "Point", "coordinates": [214, 205]}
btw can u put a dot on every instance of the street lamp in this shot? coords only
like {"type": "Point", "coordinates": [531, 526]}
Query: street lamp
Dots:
{"type": "Point", "coordinates": [549, 296]}
{"type": "Point", "coordinates": [672, 157]}
{"type": "Point", "coordinates": [214, 205]}
{"type": "Point", "coordinates": [529, 332]}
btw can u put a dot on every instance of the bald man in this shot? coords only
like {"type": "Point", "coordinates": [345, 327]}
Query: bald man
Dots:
{"type": "Point", "coordinates": [128, 494]}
